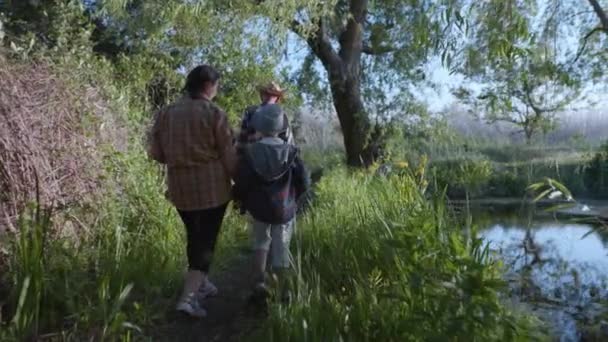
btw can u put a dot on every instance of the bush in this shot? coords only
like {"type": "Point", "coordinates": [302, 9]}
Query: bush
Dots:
{"type": "Point", "coordinates": [461, 177]}
{"type": "Point", "coordinates": [112, 281]}
{"type": "Point", "coordinates": [507, 183]}
{"type": "Point", "coordinates": [52, 135]}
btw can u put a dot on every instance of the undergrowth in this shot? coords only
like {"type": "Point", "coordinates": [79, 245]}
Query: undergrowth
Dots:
{"type": "Point", "coordinates": [377, 261]}
{"type": "Point", "coordinates": [111, 280]}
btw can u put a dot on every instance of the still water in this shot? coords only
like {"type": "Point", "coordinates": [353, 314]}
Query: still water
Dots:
{"type": "Point", "coordinates": [556, 268]}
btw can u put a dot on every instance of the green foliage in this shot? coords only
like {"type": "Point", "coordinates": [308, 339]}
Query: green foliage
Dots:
{"type": "Point", "coordinates": [518, 54]}
{"type": "Point", "coordinates": [462, 175]}
{"type": "Point", "coordinates": [325, 160]}
{"type": "Point", "coordinates": [60, 26]}
{"type": "Point", "coordinates": [596, 172]}
{"type": "Point", "coordinates": [404, 273]}
{"type": "Point", "coordinates": [400, 269]}
{"type": "Point", "coordinates": [509, 182]}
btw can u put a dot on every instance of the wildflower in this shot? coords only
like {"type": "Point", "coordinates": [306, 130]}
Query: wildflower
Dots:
{"type": "Point", "coordinates": [402, 165]}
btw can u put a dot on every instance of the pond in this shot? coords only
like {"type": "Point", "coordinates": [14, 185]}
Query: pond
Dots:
{"type": "Point", "coordinates": [556, 268]}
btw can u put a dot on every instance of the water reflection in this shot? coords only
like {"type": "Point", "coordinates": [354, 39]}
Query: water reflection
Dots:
{"type": "Point", "coordinates": [559, 268]}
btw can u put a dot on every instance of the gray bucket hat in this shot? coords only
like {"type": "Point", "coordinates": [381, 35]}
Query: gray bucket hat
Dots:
{"type": "Point", "coordinates": [269, 119]}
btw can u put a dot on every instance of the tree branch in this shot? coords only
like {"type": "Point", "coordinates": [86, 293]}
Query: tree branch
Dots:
{"type": "Point", "coordinates": [351, 39]}
{"type": "Point", "coordinates": [600, 13]}
{"type": "Point", "coordinates": [536, 108]}
{"type": "Point", "coordinates": [319, 43]}
{"type": "Point", "coordinates": [585, 39]}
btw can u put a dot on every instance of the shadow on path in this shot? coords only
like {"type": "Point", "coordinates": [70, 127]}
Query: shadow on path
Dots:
{"type": "Point", "coordinates": [231, 317]}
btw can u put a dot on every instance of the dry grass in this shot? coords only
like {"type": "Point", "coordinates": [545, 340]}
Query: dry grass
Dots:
{"type": "Point", "coordinates": [51, 129]}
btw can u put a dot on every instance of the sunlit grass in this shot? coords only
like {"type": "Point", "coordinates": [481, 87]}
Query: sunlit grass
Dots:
{"type": "Point", "coordinates": [376, 261]}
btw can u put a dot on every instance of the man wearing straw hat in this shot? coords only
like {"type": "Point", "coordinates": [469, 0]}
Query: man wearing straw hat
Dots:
{"type": "Point", "coordinates": [270, 93]}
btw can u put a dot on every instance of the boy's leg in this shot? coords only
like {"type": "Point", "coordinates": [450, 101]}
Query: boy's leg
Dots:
{"type": "Point", "coordinates": [261, 245]}
{"type": "Point", "coordinates": [281, 238]}
{"type": "Point", "coordinates": [252, 237]}
{"type": "Point", "coordinates": [281, 256]}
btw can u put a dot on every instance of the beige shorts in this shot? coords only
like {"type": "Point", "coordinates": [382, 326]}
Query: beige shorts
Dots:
{"type": "Point", "coordinates": [274, 238]}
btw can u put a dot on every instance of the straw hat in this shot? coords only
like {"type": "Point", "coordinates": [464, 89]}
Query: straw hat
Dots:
{"type": "Point", "coordinates": [272, 89]}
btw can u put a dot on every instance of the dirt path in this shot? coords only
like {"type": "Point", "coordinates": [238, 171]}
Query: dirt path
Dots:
{"type": "Point", "coordinates": [230, 315]}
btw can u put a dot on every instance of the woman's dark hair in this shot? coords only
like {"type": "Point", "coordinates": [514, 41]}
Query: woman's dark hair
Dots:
{"type": "Point", "coordinates": [198, 77]}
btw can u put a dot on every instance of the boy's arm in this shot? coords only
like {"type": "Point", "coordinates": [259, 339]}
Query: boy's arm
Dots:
{"type": "Point", "coordinates": [245, 131]}
{"type": "Point", "coordinates": [287, 135]}
{"type": "Point", "coordinates": [242, 180]}
{"type": "Point", "coordinates": [301, 177]}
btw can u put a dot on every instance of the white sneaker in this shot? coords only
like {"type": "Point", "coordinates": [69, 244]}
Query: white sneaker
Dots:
{"type": "Point", "coordinates": [206, 290]}
{"type": "Point", "coordinates": [191, 307]}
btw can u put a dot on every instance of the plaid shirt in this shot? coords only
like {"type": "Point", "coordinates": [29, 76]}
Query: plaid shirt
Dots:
{"type": "Point", "coordinates": [193, 138]}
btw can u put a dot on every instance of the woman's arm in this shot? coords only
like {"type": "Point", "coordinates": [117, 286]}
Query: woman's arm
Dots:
{"type": "Point", "coordinates": [224, 140]}
{"type": "Point", "coordinates": [242, 180]}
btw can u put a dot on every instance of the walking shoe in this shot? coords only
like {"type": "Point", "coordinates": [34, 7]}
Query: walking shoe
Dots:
{"type": "Point", "coordinates": [261, 291]}
{"type": "Point", "coordinates": [191, 307]}
{"type": "Point", "coordinates": [206, 290]}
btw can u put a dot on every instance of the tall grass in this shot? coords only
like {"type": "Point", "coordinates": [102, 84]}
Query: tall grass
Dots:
{"type": "Point", "coordinates": [112, 279]}
{"type": "Point", "coordinates": [377, 261]}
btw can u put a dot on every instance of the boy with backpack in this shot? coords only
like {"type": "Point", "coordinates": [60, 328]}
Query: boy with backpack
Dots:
{"type": "Point", "coordinates": [270, 179]}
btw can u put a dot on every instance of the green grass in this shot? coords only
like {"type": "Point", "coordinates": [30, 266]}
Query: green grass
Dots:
{"type": "Point", "coordinates": [510, 174]}
{"type": "Point", "coordinates": [376, 261]}
{"type": "Point", "coordinates": [112, 279]}
{"type": "Point", "coordinates": [328, 159]}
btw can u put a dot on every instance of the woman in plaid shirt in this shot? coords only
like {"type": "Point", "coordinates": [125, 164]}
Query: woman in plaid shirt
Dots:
{"type": "Point", "coordinates": [193, 139]}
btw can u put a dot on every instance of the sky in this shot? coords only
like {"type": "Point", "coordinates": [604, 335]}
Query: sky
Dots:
{"type": "Point", "coordinates": [438, 97]}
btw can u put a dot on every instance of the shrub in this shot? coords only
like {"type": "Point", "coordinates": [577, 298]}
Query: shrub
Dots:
{"type": "Point", "coordinates": [462, 177]}
{"type": "Point", "coordinates": [114, 280]}
{"type": "Point", "coordinates": [509, 182]}
{"type": "Point", "coordinates": [52, 133]}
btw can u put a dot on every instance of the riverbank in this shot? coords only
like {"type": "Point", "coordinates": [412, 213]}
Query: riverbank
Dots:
{"type": "Point", "coordinates": [583, 208]}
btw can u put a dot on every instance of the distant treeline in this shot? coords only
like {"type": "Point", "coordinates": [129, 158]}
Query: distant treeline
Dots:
{"type": "Point", "coordinates": [588, 126]}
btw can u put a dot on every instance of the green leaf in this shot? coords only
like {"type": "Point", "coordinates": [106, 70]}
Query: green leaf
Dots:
{"type": "Point", "coordinates": [542, 195]}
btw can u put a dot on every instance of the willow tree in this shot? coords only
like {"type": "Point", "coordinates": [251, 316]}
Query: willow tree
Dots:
{"type": "Point", "coordinates": [528, 94]}
{"type": "Point", "coordinates": [363, 46]}
{"type": "Point", "coordinates": [524, 54]}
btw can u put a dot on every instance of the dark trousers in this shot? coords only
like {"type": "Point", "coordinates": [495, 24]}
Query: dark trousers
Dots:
{"type": "Point", "coordinates": [202, 229]}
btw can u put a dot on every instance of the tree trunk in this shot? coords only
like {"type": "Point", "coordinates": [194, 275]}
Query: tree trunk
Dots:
{"type": "Point", "coordinates": [356, 128]}
{"type": "Point", "coordinates": [344, 71]}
